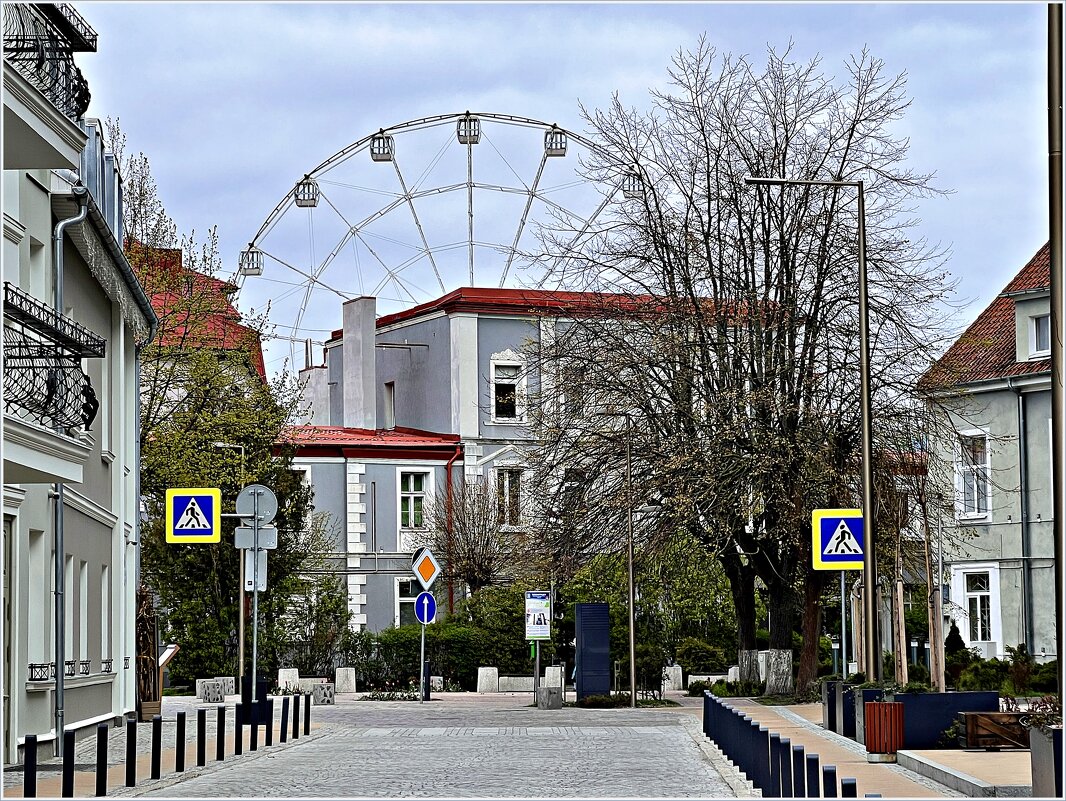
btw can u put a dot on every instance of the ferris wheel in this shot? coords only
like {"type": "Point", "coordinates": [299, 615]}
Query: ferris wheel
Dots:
{"type": "Point", "coordinates": [413, 211]}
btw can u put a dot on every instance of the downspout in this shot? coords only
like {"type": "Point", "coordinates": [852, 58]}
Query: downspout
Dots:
{"type": "Point", "coordinates": [81, 195]}
{"type": "Point", "coordinates": [448, 484]}
{"type": "Point", "coordinates": [1023, 480]}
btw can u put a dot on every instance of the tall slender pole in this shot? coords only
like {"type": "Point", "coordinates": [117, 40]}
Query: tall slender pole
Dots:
{"type": "Point", "coordinates": [470, 202]}
{"type": "Point", "coordinates": [422, 667]}
{"type": "Point", "coordinates": [843, 628]}
{"type": "Point", "coordinates": [255, 591]}
{"type": "Point", "coordinates": [632, 592]}
{"type": "Point", "coordinates": [869, 600]}
{"type": "Point", "coordinates": [1058, 307]}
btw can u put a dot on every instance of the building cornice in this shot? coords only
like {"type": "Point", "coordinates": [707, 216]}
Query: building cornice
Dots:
{"type": "Point", "coordinates": [14, 231]}
{"type": "Point", "coordinates": [88, 507]}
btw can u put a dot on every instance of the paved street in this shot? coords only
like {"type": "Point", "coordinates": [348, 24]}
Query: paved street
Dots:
{"type": "Point", "coordinates": [465, 746]}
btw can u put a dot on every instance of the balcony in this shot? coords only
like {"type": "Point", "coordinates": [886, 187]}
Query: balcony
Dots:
{"type": "Point", "coordinates": [39, 42]}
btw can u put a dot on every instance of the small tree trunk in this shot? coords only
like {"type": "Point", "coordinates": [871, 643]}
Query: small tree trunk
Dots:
{"type": "Point", "coordinates": [749, 665]}
{"type": "Point", "coordinates": [779, 661]}
{"type": "Point", "coordinates": [811, 629]}
{"type": "Point", "coordinates": [742, 582]}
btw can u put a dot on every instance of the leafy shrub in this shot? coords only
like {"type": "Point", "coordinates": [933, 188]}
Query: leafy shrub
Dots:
{"type": "Point", "coordinates": [698, 687]}
{"type": "Point", "coordinates": [1045, 676]}
{"type": "Point", "coordinates": [857, 678]}
{"type": "Point", "coordinates": [949, 738]}
{"type": "Point", "coordinates": [916, 687]}
{"type": "Point", "coordinates": [697, 656]}
{"type": "Point", "coordinates": [390, 695]}
{"type": "Point", "coordinates": [1021, 668]}
{"type": "Point", "coordinates": [954, 643]}
{"type": "Point", "coordinates": [738, 689]}
{"type": "Point", "coordinates": [956, 662]}
{"type": "Point", "coordinates": [984, 675]}
{"type": "Point", "coordinates": [604, 701]}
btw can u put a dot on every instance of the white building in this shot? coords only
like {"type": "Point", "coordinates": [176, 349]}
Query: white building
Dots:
{"type": "Point", "coordinates": [72, 328]}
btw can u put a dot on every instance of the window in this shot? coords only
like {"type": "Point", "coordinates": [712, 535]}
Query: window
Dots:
{"type": "Point", "coordinates": [1040, 336]}
{"type": "Point", "coordinates": [390, 404]}
{"type": "Point", "coordinates": [412, 499]}
{"type": "Point", "coordinates": [973, 475]}
{"type": "Point", "coordinates": [406, 592]}
{"type": "Point", "coordinates": [571, 498]}
{"type": "Point", "coordinates": [505, 391]}
{"type": "Point", "coordinates": [979, 606]}
{"type": "Point", "coordinates": [573, 392]}
{"type": "Point", "coordinates": [509, 496]}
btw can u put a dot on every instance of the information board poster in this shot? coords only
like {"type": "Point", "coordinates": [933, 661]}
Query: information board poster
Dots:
{"type": "Point", "coordinates": [538, 615]}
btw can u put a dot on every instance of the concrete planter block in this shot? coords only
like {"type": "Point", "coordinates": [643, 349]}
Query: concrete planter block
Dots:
{"type": "Point", "coordinates": [673, 678]}
{"type": "Point", "coordinates": [549, 698]}
{"type": "Point", "coordinates": [345, 680]}
{"type": "Point", "coordinates": [436, 684]}
{"type": "Point", "coordinates": [288, 677]}
{"type": "Point", "coordinates": [516, 684]}
{"type": "Point", "coordinates": [229, 684]}
{"type": "Point", "coordinates": [323, 693]}
{"type": "Point", "coordinates": [488, 680]}
{"type": "Point", "coordinates": [1045, 751]}
{"type": "Point", "coordinates": [212, 692]}
{"type": "Point", "coordinates": [733, 674]}
{"type": "Point", "coordinates": [553, 676]}
{"type": "Point", "coordinates": [200, 687]}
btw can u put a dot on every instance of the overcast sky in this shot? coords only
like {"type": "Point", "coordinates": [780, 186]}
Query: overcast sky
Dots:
{"type": "Point", "coordinates": [233, 102]}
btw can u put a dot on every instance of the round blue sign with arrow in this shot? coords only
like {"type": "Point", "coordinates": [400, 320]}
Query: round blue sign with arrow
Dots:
{"type": "Point", "coordinates": [425, 608]}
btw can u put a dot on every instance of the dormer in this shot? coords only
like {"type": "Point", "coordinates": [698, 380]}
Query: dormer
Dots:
{"type": "Point", "coordinates": [1032, 324]}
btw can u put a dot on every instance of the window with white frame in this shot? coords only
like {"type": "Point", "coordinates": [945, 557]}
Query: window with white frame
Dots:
{"type": "Point", "coordinates": [406, 592]}
{"type": "Point", "coordinates": [507, 376]}
{"type": "Point", "coordinates": [413, 500]}
{"type": "Point", "coordinates": [509, 495]}
{"type": "Point", "coordinates": [978, 590]}
{"type": "Point", "coordinates": [972, 475]}
{"type": "Point", "coordinates": [1040, 336]}
{"type": "Point", "coordinates": [573, 390]}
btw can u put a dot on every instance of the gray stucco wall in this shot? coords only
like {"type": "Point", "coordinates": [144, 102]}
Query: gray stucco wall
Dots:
{"type": "Point", "coordinates": [335, 373]}
{"type": "Point", "coordinates": [422, 375]}
{"type": "Point", "coordinates": [495, 335]}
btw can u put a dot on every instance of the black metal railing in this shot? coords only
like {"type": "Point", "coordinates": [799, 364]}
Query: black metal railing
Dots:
{"type": "Point", "coordinates": [69, 667]}
{"type": "Point", "coordinates": [41, 671]}
{"type": "Point", "coordinates": [83, 667]}
{"type": "Point", "coordinates": [43, 378]}
{"type": "Point", "coordinates": [107, 665]}
{"type": "Point", "coordinates": [39, 41]}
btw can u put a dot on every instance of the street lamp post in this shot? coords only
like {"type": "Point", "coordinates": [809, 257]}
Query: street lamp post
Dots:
{"type": "Point", "coordinates": [871, 651]}
{"type": "Point", "coordinates": [632, 591]}
{"type": "Point", "coordinates": [240, 591]}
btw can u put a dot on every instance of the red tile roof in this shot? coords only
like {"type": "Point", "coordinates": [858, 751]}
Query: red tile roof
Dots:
{"type": "Point", "coordinates": [397, 443]}
{"type": "Point", "coordinates": [987, 349]}
{"type": "Point", "coordinates": [211, 322]}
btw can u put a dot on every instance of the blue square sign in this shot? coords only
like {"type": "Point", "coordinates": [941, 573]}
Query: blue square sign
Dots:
{"type": "Point", "coordinates": [194, 515]}
{"type": "Point", "coordinates": [838, 539]}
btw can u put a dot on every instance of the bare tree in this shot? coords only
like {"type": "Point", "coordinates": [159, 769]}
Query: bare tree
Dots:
{"type": "Point", "coordinates": [729, 326]}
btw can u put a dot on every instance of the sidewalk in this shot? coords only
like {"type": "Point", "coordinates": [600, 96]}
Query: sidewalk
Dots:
{"type": "Point", "coordinates": [49, 772]}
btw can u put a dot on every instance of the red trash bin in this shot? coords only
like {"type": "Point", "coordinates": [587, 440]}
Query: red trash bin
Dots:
{"type": "Point", "coordinates": [884, 730]}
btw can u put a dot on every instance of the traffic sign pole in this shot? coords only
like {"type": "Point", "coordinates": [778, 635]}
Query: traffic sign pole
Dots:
{"type": "Point", "coordinates": [255, 593]}
{"type": "Point", "coordinates": [422, 668]}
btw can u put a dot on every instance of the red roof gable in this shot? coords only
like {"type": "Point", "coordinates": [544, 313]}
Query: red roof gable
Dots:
{"type": "Point", "coordinates": [988, 349]}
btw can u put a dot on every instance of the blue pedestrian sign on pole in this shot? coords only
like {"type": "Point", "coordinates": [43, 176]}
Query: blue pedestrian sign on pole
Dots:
{"type": "Point", "coordinates": [194, 515]}
{"type": "Point", "coordinates": [838, 539]}
{"type": "Point", "coordinates": [425, 608]}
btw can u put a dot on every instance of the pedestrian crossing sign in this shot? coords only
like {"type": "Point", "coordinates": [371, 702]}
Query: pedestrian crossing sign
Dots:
{"type": "Point", "coordinates": [838, 539]}
{"type": "Point", "coordinates": [194, 515]}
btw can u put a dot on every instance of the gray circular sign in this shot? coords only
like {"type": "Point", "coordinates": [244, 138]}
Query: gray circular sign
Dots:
{"type": "Point", "coordinates": [268, 503]}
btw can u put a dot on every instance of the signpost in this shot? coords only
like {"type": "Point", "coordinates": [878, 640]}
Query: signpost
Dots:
{"type": "Point", "coordinates": [426, 569]}
{"type": "Point", "coordinates": [256, 506]}
{"type": "Point", "coordinates": [538, 626]}
{"type": "Point", "coordinates": [838, 542]}
{"type": "Point", "coordinates": [194, 515]}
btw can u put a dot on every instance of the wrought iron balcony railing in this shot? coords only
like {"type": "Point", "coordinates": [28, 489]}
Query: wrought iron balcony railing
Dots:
{"type": "Point", "coordinates": [39, 41]}
{"type": "Point", "coordinates": [107, 665]}
{"type": "Point", "coordinates": [43, 379]}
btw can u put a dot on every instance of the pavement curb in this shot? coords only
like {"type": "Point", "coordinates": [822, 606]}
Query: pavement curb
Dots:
{"type": "Point", "coordinates": [957, 780]}
{"type": "Point", "coordinates": [726, 769]}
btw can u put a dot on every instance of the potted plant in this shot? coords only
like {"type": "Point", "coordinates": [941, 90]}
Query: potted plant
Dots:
{"type": "Point", "coordinates": [927, 714]}
{"type": "Point", "coordinates": [1044, 721]}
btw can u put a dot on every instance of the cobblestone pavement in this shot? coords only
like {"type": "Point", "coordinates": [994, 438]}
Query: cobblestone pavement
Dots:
{"type": "Point", "coordinates": [459, 745]}
{"type": "Point", "coordinates": [467, 746]}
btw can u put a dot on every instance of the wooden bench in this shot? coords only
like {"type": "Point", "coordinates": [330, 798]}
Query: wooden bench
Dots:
{"type": "Point", "coordinates": [992, 730]}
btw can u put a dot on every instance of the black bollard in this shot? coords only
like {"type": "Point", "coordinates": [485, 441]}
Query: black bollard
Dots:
{"type": "Point", "coordinates": [799, 782]}
{"type": "Point", "coordinates": [848, 788]}
{"type": "Point", "coordinates": [812, 776]}
{"type": "Point", "coordinates": [29, 766]}
{"type": "Point", "coordinates": [253, 724]}
{"type": "Point", "coordinates": [68, 764]}
{"type": "Point", "coordinates": [296, 716]}
{"type": "Point", "coordinates": [179, 744]}
{"type": "Point", "coordinates": [220, 734]}
{"type": "Point", "coordinates": [201, 737]}
{"type": "Point", "coordinates": [131, 753]}
{"type": "Point", "coordinates": [101, 759]}
{"type": "Point", "coordinates": [157, 745]}
{"type": "Point", "coordinates": [829, 781]}
{"type": "Point", "coordinates": [307, 714]}
{"type": "Point", "coordinates": [872, 795]}
{"type": "Point", "coordinates": [762, 741]}
{"type": "Point", "coordinates": [774, 790]}
{"type": "Point", "coordinates": [786, 767]}
{"type": "Point", "coordinates": [238, 735]}
{"type": "Point", "coordinates": [284, 717]}
{"type": "Point", "coordinates": [269, 721]}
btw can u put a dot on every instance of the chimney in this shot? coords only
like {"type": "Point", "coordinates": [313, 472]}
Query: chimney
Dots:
{"type": "Point", "coordinates": [314, 389]}
{"type": "Point", "coordinates": [360, 329]}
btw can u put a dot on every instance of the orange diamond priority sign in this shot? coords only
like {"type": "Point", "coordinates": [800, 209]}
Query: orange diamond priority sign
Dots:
{"type": "Point", "coordinates": [425, 567]}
